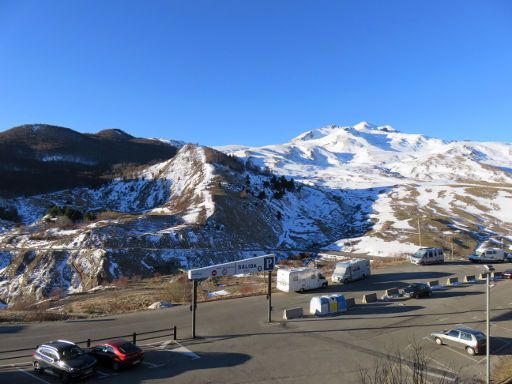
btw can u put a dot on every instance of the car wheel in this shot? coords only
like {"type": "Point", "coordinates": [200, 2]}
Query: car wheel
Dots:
{"type": "Point", "coordinates": [324, 285]}
{"type": "Point", "coordinates": [345, 281]}
{"type": "Point", "coordinates": [470, 350]}
{"type": "Point", "coordinates": [64, 378]}
{"type": "Point", "coordinates": [37, 367]}
{"type": "Point", "coordinates": [115, 366]}
{"type": "Point", "coordinates": [301, 290]}
{"type": "Point", "coordinates": [439, 341]}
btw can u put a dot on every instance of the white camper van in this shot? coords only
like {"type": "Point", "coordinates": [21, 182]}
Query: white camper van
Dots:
{"type": "Point", "coordinates": [351, 270]}
{"type": "Point", "coordinates": [299, 279]}
{"type": "Point", "coordinates": [490, 255]}
{"type": "Point", "coordinates": [428, 256]}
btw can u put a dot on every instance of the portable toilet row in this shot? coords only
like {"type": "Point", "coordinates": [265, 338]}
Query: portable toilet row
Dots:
{"type": "Point", "coordinates": [327, 305]}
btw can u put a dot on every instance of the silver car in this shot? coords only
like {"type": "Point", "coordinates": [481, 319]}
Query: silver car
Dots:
{"type": "Point", "coordinates": [471, 340]}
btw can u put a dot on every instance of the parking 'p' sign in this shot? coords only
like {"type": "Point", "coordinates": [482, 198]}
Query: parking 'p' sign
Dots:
{"type": "Point", "coordinates": [251, 265]}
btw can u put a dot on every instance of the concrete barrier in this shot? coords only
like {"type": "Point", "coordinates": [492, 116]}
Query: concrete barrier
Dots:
{"type": "Point", "coordinates": [483, 276]}
{"type": "Point", "coordinates": [391, 292]}
{"type": "Point", "coordinates": [452, 280]}
{"type": "Point", "coordinates": [370, 298]}
{"type": "Point", "coordinates": [293, 313]}
{"type": "Point", "coordinates": [433, 283]}
{"type": "Point", "coordinates": [351, 302]}
{"type": "Point", "coordinates": [470, 279]}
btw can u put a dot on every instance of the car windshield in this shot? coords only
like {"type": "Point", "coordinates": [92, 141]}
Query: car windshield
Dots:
{"type": "Point", "coordinates": [71, 353]}
{"type": "Point", "coordinates": [419, 254]}
{"type": "Point", "coordinates": [128, 348]}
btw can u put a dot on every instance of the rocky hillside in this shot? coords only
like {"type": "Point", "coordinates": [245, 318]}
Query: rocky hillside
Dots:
{"type": "Point", "coordinates": [199, 207]}
{"type": "Point", "coordinates": [39, 158]}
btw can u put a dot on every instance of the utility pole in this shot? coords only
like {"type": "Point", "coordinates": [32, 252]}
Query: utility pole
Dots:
{"type": "Point", "coordinates": [489, 269]}
{"type": "Point", "coordinates": [193, 307]}
{"type": "Point", "coordinates": [419, 231]}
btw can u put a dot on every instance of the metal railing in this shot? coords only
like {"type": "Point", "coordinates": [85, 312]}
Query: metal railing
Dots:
{"type": "Point", "coordinates": [134, 338]}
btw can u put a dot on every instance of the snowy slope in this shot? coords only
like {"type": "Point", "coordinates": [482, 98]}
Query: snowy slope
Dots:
{"type": "Point", "coordinates": [418, 178]}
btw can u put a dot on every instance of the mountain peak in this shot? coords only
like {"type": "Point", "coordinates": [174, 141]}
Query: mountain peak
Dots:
{"type": "Point", "coordinates": [364, 125]}
{"type": "Point", "coordinates": [114, 134]}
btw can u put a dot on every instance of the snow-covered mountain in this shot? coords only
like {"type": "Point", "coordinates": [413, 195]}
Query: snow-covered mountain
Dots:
{"type": "Point", "coordinates": [365, 155]}
{"type": "Point", "coordinates": [360, 188]}
{"type": "Point", "coordinates": [459, 190]}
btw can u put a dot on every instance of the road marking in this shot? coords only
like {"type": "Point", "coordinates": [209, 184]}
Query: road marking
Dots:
{"type": "Point", "coordinates": [506, 329]}
{"type": "Point", "coordinates": [443, 319]}
{"type": "Point", "coordinates": [14, 365]}
{"type": "Point", "coordinates": [103, 374]}
{"type": "Point", "coordinates": [475, 318]}
{"type": "Point", "coordinates": [184, 351]}
{"type": "Point", "coordinates": [462, 354]}
{"type": "Point", "coordinates": [151, 365]}
{"type": "Point", "coordinates": [503, 346]}
{"type": "Point", "coordinates": [166, 343]}
{"type": "Point", "coordinates": [33, 376]}
{"type": "Point", "coordinates": [444, 366]}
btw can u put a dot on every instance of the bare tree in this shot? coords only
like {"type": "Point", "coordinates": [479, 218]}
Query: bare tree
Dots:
{"type": "Point", "coordinates": [413, 367]}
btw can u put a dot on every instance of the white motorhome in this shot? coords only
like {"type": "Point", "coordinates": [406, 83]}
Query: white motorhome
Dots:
{"type": "Point", "coordinates": [428, 256]}
{"type": "Point", "coordinates": [490, 255]}
{"type": "Point", "coordinates": [350, 270]}
{"type": "Point", "coordinates": [299, 279]}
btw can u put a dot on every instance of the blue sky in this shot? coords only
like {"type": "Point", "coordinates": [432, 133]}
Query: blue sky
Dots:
{"type": "Point", "coordinates": [258, 72]}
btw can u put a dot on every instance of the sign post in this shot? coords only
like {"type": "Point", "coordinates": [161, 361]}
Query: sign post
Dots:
{"type": "Point", "coordinates": [193, 307]}
{"type": "Point", "coordinates": [258, 264]}
{"type": "Point", "coordinates": [269, 296]}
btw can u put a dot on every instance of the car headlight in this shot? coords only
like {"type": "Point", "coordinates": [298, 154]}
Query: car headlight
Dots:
{"type": "Point", "coordinates": [73, 369]}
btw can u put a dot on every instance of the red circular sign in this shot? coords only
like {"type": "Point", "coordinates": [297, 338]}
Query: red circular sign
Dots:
{"type": "Point", "coordinates": [214, 272]}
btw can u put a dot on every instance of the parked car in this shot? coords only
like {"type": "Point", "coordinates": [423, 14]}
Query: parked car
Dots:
{"type": "Point", "coordinates": [428, 256]}
{"type": "Point", "coordinates": [507, 274]}
{"type": "Point", "coordinates": [416, 290]}
{"type": "Point", "coordinates": [117, 354]}
{"type": "Point", "coordinates": [472, 340]}
{"type": "Point", "coordinates": [64, 359]}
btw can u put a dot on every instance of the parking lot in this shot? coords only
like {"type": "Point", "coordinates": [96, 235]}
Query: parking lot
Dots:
{"type": "Point", "coordinates": [237, 345]}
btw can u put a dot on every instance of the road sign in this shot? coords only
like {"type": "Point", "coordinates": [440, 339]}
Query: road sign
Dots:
{"type": "Point", "coordinates": [252, 265]}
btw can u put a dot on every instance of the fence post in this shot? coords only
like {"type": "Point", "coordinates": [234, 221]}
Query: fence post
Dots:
{"type": "Point", "coordinates": [88, 343]}
{"type": "Point", "coordinates": [134, 338]}
{"type": "Point", "coordinates": [174, 333]}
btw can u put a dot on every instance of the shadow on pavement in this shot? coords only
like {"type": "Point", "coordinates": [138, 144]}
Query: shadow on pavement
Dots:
{"type": "Point", "coordinates": [89, 320]}
{"type": "Point", "coordinates": [11, 328]}
{"type": "Point", "coordinates": [444, 294]}
{"type": "Point", "coordinates": [501, 346]}
{"type": "Point", "coordinates": [503, 317]}
{"type": "Point", "coordinates": [173, 367]}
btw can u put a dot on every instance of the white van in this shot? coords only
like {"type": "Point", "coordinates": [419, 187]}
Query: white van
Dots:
{"type": "Point", "coordinates": [299, 279]}
{"type": "Point", "coordinates": [428, 256]}
{"type": "Point", "coordinates": [490, 255]}
{"type": "Point", "coordinates": [351, 270]}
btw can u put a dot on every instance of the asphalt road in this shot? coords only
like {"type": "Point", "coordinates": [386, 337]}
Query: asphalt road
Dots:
{"type": "Point", "coordinates": [237, 345]}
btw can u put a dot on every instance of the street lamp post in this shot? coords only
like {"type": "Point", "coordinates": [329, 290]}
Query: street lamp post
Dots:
{"type": "Point", "coordinates": [488, 270]}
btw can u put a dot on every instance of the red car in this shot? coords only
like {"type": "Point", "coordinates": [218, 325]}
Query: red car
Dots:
{"type": "Point", "coordinates": [117, 354]}
{"type": "Point", "coordinates": [507, 274]}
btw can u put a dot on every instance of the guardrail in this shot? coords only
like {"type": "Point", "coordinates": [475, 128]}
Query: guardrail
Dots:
{"type": "Point", "coordinates": [134, 337]}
